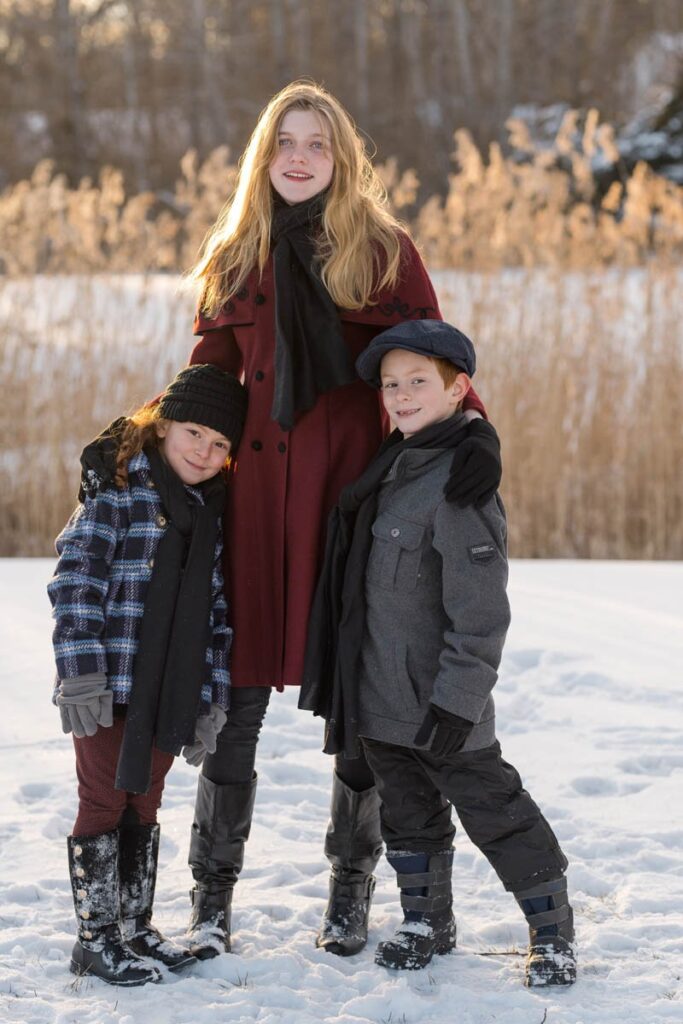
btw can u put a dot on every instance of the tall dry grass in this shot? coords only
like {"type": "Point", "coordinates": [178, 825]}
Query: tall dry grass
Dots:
{"type": "Point", "coordinates": [76, 352]}
{"type": "Point", "coordinates": [546, 210]}
{"type": "Point", "coordinates": [583, 376]}
{"type": "Point", "coordinates": [580, 356]}
{"type": "Point", "coordinates": [581, 373]}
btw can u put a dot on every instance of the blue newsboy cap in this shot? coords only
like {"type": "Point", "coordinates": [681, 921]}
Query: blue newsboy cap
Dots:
{"type": "Point", "coordinates": [426, 337]}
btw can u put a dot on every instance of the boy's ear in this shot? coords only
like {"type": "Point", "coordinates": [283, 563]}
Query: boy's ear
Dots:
{"type": "Point", "coordinates": [461, 385]}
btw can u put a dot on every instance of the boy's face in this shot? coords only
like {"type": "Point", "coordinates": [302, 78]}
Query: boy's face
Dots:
{"type": "Point", "coordinates": [195, 453]}
{"type": "Point", "coordinates": [414, 393]}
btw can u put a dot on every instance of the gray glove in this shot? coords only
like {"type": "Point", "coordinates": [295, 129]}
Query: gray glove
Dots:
{"type": "Point", "coordinates": [84, 702]}
{"type": "Point", "coordinates": [205, 735]}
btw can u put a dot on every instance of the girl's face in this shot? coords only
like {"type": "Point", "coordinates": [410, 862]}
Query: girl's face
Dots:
{"type": "Point", "coordinates": [303, 164]}
{"type": "Point", "coordinates": [195, 453]}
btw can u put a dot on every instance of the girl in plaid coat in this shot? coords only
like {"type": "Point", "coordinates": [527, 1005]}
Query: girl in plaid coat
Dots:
{"type": "Point", "coordinates": [141, 644]}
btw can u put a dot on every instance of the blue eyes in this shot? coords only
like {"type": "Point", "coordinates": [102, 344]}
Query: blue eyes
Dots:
{"type": "Point", "coordinates": [282, 142]}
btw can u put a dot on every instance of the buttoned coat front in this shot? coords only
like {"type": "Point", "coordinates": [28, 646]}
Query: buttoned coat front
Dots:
{"type": "Point", "coordinates": [285, 483]}
{"type": "Point", "coordinates": [436, 608]}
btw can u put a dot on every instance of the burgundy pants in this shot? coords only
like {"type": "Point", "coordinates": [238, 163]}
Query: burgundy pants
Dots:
{"type": "Point", "coordinates": [100, 806]}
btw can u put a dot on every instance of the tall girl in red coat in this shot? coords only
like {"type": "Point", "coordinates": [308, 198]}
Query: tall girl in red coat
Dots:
{"type": "Point", "coordinates": [303, 268]}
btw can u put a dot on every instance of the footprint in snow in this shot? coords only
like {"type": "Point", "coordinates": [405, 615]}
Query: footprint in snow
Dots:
{"type": "Point", "coordinates": [33, 792]}
{"type": "Point", "coordinates": [661, 765]}
{"type": "Point", "coordinates": [591, 785]}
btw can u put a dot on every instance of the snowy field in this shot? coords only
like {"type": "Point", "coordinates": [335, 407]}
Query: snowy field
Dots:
{"type": "Point", "coordinates": [589, 706]}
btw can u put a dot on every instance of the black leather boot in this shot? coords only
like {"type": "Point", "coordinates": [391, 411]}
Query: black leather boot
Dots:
{"type": "Point", "coordinates": [220, 829]}
{"type": "Point", "coordinates": [427, 902]}
{"type": "Point", "coordinates": [552, 958]}
{"type": "Point", "coordinates": [138, 857]}
{"type": "Point", "coordinates": [100, 951]}
{"type": "Point", "coordinates": [353, 845]}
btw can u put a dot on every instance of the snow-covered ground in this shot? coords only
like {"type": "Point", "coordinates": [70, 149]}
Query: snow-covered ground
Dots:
{"type": "Point", "coordinates": [590, 711]}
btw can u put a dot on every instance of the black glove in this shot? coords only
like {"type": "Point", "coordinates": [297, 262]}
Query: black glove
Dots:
{"type": "Point", "coordinates": [450, 735]}
{"type": "Point", "coordinates": [476, 468]}
{"type": "Point", "coordinates": [98, 460]}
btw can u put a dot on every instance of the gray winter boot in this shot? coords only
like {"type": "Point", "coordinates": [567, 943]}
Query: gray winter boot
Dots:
{"type": "Point", "coordinates": [353, 846]}
{"type": "Point", "coordinates": [220, 829]}
{"type": "Point", "coordinates": [427, 902]}
{"type": "Point", "coordinates": [552, 958]}
{"type": "Point", "coordinates": [138, 856]}
{"type": "Point", "coordinates": [100, 951]}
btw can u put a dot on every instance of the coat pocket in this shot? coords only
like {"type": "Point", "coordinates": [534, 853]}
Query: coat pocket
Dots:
{"type": "Point", "coordinates": [406, 690]}
{"type": "Point", "coordinates": [396, 553]}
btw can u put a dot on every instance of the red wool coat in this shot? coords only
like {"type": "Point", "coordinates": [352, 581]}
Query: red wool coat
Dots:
{"type": "Point", "coordinates": [286, 483]}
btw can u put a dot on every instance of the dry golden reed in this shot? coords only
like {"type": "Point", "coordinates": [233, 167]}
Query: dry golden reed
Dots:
{"type": "Point", "coordinates": [581, 373]}
{"type": "Point", "coordinates": [547, 210]}
{"type": "Point", "coordinates": [580, 347]}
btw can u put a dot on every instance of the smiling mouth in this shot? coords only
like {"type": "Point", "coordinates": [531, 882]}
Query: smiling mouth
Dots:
{"type": "Point", "coordinates": [406, 412]}
{"type": "Point", "coordinates": [298, 176]}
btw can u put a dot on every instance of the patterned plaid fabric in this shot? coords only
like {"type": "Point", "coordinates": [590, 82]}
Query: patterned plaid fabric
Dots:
{"type": "Point", "coordinates": [106, 554]}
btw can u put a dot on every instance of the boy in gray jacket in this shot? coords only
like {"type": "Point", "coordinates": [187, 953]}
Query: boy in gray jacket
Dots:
{"type": "Point", "coordinates": [435, 618]}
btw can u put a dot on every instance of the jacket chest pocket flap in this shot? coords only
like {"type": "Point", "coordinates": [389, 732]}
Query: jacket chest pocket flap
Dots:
{"type": "Point", "coordinates": [396, 553]}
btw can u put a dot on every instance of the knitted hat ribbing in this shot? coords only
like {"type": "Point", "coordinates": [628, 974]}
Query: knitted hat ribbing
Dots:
{"type": "Point", "coordinates": [206, 395]}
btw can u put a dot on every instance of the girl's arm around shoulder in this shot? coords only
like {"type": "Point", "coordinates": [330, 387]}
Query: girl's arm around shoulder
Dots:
{"type": "Point", "coordinates": [473, 546]}
{"type": "Point", "coordinates": [221, 636]}
{"type": "Point", "coordinates": [78, 590]}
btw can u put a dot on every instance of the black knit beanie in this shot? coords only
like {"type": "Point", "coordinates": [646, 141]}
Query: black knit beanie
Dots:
{"type": "Point", "coordinates": [206, 395]}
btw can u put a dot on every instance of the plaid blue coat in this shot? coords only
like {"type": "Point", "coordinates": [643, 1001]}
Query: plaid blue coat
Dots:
{"type": "Point", "coordinates": [106, 554]}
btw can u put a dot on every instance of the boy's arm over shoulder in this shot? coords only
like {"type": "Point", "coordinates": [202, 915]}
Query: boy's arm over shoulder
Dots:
{"type": "Point", "coordinates": [221, 637]}
{"type": "Point", "coordinates": [473, 546]}
{"type": "Point", "coordinates": [78, 589]}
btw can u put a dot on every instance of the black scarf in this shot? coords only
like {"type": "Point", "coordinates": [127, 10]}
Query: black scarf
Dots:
{"type": "Point", "coordinates": [311, 356]}
{"type": "Point", "coordinates": [337, 620]}
{"type": "Point", "coordinates": [170, 665]}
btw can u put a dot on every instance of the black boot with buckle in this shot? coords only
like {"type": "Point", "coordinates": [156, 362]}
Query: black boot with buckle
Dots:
{"type": "Point", "coordinates": [551, 959]}
{"type": "Point", "coordinates": [427, 902]}
{"type": "Point", "coordinates": [353, 846]}
{"type": "Point", "coordinates": [219, 832]}
{"type": "Point", "coordinates": [138, 857]}
{"type": "Point", "coordinates": [100, 951]}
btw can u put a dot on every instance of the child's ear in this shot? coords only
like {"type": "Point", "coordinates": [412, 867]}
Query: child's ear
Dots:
{"type": "Point", "coordinates": [161, 427]}
{"type": "Point", "coordinates": [461, 385]}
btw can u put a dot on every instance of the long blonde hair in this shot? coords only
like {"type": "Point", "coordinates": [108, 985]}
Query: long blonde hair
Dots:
{"type": "Point", "coordinates": [359, 246]}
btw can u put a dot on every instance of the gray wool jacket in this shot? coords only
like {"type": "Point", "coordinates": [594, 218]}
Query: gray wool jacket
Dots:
{"type": "Point", "coordinates": [436, 607]}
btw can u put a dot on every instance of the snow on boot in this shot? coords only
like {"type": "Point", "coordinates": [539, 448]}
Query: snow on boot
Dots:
{"type": "Point", "coordinates": [209, 930]}
{"type": "Point", "coordinates": [220, 830]}
{"type": "Point", "coordinates": [552, 958]}
{"type": "Point", "coordinates": [426, 898]}
{"type": "Point", "coordinates": [100, 951]}
{"type": "Point", "coordinates": [344, 929]}
{"type": "Point", "coordinates": [138, 857]}
{"type": "Point", "coordinates": [353, 845]}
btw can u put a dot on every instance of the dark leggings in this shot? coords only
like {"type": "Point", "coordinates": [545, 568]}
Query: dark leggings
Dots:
{"type": "Point", "coordinates": [235, 754]}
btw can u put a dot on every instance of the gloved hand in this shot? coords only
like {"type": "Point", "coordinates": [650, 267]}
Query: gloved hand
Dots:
{"type": "Point", "coordinates": [476, 468]}
{"type": "Point", "coordinates": [84, 702]}
{"type": "Point", "coordinates": [450, 735]}
{"type": "Point", "coordinates": [205, 736]}
{"type": "Point", "coordinates": [98, 459]}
